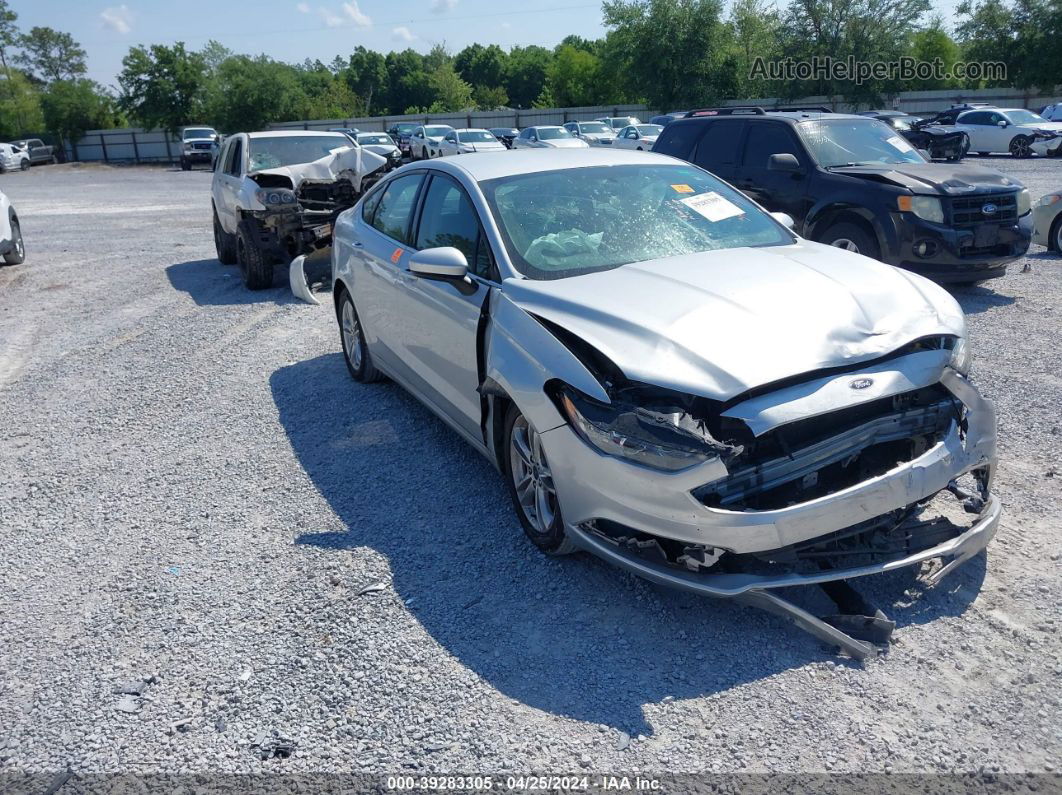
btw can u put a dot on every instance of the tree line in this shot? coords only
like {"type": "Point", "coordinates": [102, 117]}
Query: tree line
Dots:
{"type": "Point", "coordinates": [669, 54]}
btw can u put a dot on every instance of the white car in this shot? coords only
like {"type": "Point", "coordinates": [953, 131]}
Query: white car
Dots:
{"type": "Point", "coordinates": [617, 123]}
{"type": "Point", "coordinates": [425, 140]}
{"type": "Point", "coordinates": [12, 159]}
{"type": "Point", "coordinates": [460, 142]}
{"type": "Point", "coordinates": [1047, 221]}
{"type": "Point", "coordinates": [1016, 130]}
{"type": "Point", "coordinates": [547, 137]}
{"type": "Point", "coordinates": [595, 133]}
{"type": "Point", "coordinates": [275, 196]}
{"type": "Point", "coordinates": [381, 144]}
{"type": "Point", "coordinates": [638, 136]}
{"type": "Point", "coordinates": [1052, 112]}
{"type": "Point", "coordinates": [11, 247]}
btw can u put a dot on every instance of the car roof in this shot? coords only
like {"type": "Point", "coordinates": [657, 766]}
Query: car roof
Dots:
{"type": "Point", "coordinates": [471, 129]}
{"type": "Point", "coordinates": [290, 133]}
{"type": "Point", "coordinates": [491, 165]}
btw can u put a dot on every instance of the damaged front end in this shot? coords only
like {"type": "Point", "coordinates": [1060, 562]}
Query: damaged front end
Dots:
{"type": "Point", "coordinates": [816, 481]}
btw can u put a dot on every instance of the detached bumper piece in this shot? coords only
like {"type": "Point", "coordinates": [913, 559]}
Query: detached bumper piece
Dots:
{"type": "Point", "coordinates": [894, 541]}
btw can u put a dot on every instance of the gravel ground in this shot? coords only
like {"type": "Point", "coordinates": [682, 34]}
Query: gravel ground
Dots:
{"type": "Point", "coordinates": [199, 507]}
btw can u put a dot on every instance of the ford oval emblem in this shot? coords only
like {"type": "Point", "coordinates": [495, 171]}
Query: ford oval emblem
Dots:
{"type": "Point", "coordinates": [989, 209]}
{"type": "Point", "coordinates": [861, 383]}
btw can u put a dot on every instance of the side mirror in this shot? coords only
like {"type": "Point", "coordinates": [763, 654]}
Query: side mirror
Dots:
{"type": "Point", "coordinates": [785, 219]}
{"type": "Point", "coordinates": [1002, 123]}
{"type": "Point", "coordinates": [445, 262]}
{"type": "Point", "coordinates": [783, 162]}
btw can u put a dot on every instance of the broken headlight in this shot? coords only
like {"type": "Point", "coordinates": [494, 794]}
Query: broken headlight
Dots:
{"type": "Point", "coordinates": [635, 433]}
{"type": "Point", "coordinates": [960, 356]}
{"type": "Point", "coordinates": [274, 197]}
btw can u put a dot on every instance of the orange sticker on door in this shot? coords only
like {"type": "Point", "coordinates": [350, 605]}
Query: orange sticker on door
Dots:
{"type": "Point", "coordinates": [682, 189]}
{"type": "Point", "coordinates": [396, 255]}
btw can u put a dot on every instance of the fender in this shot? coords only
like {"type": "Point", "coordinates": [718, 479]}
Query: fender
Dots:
{"type": "Point", "coordinates": [823, 210]}
{"type": "Point", "coordinates": [521, 357]}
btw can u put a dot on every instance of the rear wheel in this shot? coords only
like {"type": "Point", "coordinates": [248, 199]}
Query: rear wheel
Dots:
{"type": "Point", "coordinates": [17, 254]}
{"type": "Point", "coordinates": [1021, 146]}
{"type": "Point", "coordinates": [355, 351]}
{"type": "Point", "coordinates": [224, 243]}
{"type": "Point", "coordinates": [254, 261]}
{"type": "Point", "coordinates": [531, 488]}
{"type": "Point", "coordinates": [1054, 239]}
{"type": "Point", "coordinates": [24, 165]}
{"type": "Point", "coordinates": [851, 237]}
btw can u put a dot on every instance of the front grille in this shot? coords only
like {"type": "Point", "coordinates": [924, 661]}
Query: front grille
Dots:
{"type": "Point", "coordinates": [812, 458]}
{"type": "Point", "coordinates": [968, 211]}
{"type": "Point", "coordinates": [202, 146]}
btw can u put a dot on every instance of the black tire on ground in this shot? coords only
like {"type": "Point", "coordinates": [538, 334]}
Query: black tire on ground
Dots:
{"type": "Point", "coordinates": [17, 254]}
{"type": "Point", "coordinates": [185, 165]}
{"type": "Point", "coordinates": [1054, 237]}
{"type": "Point", "coordinates": [224, 243]}
{"type": "Point", "coordinates": [24, 165]}
{"type": "Point", "coordinates": [255, 263]}
{"type": "Point", "coordinates": [1021, 146]}
{"type": "Point", "coordinates": [355, 351]}
{"type": "Point", "coordinates": [552, 539]}
{"type": "Point", "coordinates": [851, 237]}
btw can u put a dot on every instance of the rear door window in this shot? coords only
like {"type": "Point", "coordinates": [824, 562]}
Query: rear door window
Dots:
{"type": "Point", "coordinates": [719, 147]}
{"type": "Point", "coordinates": [396, 207]}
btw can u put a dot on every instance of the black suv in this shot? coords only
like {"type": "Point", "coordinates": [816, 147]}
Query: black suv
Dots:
{"type": "Point", "coordinates": [851, 181]}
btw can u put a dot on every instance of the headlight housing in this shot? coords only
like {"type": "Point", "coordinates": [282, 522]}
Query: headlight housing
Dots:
{"type": "Point", "coordinates": [961, 357]}
{"type": "Point", "coordinates": [1049, 199]}
{"type": "Point", "coordinates": [1024, 201]}
{"type": "Point", "coordinates": [928, 208]}
{"type": "Point", "coordinates": [275, 197]}
{"type": "Point", "coordinates": [632, 433]}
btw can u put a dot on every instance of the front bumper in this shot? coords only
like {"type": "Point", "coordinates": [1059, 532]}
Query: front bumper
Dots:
{"type": "Point", "coordinates": [1047, 147]}
{"type": "Point", "coordinates": [198, 156]}
{"type": "Point", "coordinates": [957, 254]}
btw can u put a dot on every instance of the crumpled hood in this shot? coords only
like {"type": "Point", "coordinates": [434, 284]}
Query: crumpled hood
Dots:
{"type": "Point", "coordinates": [1047, 126]}
{"type": "Point", "coordinates": [351, 163]}
{"type": "Point", "coordinates": [719, 323]}
{"type": "Point", "coordinates": [380, 149]}
{"type": "Point", "coordinates": [934, 179]}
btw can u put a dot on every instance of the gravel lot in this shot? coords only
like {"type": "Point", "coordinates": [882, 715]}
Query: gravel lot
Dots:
{"type": "Point", "coordinates": [195, 494]}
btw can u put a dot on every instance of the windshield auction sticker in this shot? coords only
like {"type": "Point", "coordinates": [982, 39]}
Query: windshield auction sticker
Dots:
{"type": "Point", "coordinates": [712, 206]}
{"type": "Point", "coordinates": [682, 189]}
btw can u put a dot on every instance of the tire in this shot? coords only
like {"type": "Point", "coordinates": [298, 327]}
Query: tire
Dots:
{"type": "Point", "coordinates": [25, 165]}
{"type": "Point", "coordinates": [17, 254]}
{"type": "Point", "coordinates": [1054, 237]}
{"type": "Point", "coordinates": [355, 351]}
{"type": "Point", "coordinates": [185, 165]}
{"type": "Point", "coordinates": [851, 237]}
{"type": "Point", "coordinates": [224, 243]}
{"type": "Point", "coordinates": [255, 265]}
{"type": "Point", "coordinates": [1021, 146]}
{"type": "Point", "coordinates": [525, 466]}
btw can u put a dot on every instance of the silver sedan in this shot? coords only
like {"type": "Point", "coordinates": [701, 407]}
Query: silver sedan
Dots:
{"type": "Point", "coordinates": [666, 376]}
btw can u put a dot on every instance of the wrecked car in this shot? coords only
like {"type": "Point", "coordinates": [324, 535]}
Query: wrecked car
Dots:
{"type": "Point", "coordinates": [668, 377]}
{"type": "Point", "coordinates": [937, 141]}
{"type": "Point", "coordinates": [276, 195]}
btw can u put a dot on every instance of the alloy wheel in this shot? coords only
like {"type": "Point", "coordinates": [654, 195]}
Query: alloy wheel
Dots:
{"type": "Point", "coordinates": [1019, 147]}
{"type": "Point", "coordinates": [352, 336]}
{"type": "Point", "coordinates": [846, 244]}
{"type": "Point", "coordinates": [531, 476]}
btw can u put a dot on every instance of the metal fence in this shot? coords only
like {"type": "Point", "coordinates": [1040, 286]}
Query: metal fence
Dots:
{"type": "Point", "coordinates": [154, 146]}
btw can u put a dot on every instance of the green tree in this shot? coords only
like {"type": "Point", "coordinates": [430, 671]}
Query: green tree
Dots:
{"type": "Point", "coordinates": [1024, 36]}
{"type": "Point", "coordinates": [20, 107]}
{"type": "Point", "coordinates": [463, 61]}
{"type": "Point", "coordinates": [162, 87]}
{"type": "Point", "coordinates": [757, 29]}
{"type": "Point", "coordinates": [71, 107]}
{"type": "Point", "coordinates": [324, 95]}
{"type": "Point", "coordinates": [366, 76]}
{"type": "Point", "coordinates": [490, 98]}
{"type": "Point", "coordinates": [933, 44]}
{"type": "Point", "coordinates": [407, 81]}
{"type": "Point", "coordinates": [487, 67]}
{"type": "Point", "coordinates": [525, 74]}
{"type": "Point", "coordinates": [574, 77]}
{"type": "Point", "coordinates": [249, 93]}
{"type": "Point", "coordinates": [449, 91]}
{"type": "Point", "coordinates": [49, 54]}
{"type": "Point", "coordinates": [689, 44]}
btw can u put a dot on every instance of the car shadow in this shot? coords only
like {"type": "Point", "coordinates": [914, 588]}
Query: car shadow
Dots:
{"type": "Point", "coordinates": [572, 636]}
{"type": "Point", "coordinates": [976, 299]}
{"type": "Point", "coordinates": [210, 283]}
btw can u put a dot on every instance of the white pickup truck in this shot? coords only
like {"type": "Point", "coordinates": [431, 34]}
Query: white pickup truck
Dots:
{"type": "Point", "coordinates": [276, 195]}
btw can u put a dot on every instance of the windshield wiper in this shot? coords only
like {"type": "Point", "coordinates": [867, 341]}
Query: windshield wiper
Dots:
{"type": "Point", "coordinates": [849, 165]}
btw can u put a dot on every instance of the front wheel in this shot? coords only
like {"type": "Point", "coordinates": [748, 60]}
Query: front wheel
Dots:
{"type": "Point", "coordinates": [1021, 146]}
{"type": "Point", "coordinates": [531, 487]}
{"type": "Point", "coordinates": [224, 243]}
{"type": "Point", "coordinates": [17, 254]}
{"type": "Point", "coordinates": [1054, 240]}
{"type": "Point", "coordinates": [185, 165]}
{"type": "Point", "coordinates": [254, 262]}
{"type": "Point", "coordinates": [24, 165]}
{"type": "Point", "coordinates": [852, 238]}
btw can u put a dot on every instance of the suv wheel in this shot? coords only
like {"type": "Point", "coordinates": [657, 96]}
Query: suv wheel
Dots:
{"type": "Point", "coordinates": [531, 488]}
{"type": "Point", "coordinates": [254, 262]}
{"type": "Point", "coordinates": [17, 254]}
{"type": "Point", "coordinates": [851, 237]}
{"type": "Point", "coordinates": [24, 165]}
{"type": "Point", "coordinates": [185, 165]}
{"type": "Point", "coordinates": [1021, 146]}
{"type": "Point", "coordinates": [224, 243]}
{"type": "Point", "coordinates": [1054, 238]}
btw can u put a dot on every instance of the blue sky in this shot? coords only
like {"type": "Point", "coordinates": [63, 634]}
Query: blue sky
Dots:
{"type": "Point", "coordinates": [291, 30]}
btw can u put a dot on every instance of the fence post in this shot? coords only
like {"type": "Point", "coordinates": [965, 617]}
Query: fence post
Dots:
{"type": "Point", "coordinates": [169, 153]}
{"type": "Point", "coordinates": [564, 116]}
{"type": "Point", "coordinates": [468, 119]}
{"type": "Point", "coordinates": [136, 151]}
{"type": "Point", "coordinates": [103, 146]}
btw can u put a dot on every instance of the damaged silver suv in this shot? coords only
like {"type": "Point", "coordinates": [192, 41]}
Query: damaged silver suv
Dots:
{"type": "Point", "coordinates": [670, 378]}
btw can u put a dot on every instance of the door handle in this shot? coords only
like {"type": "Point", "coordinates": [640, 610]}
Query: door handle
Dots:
{"type": "Point", "coordinates": [358, 244]}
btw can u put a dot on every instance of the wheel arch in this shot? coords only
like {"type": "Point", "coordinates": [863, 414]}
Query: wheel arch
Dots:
{"type": "Point", "coordinates": [822, 219]}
